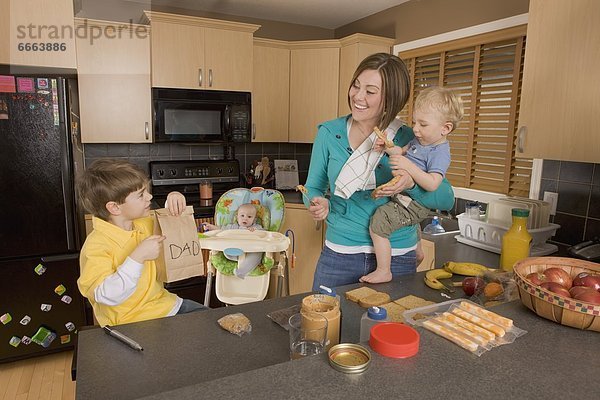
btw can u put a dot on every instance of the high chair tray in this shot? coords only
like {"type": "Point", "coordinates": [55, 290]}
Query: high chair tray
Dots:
{"type": "Point", "coordinates": [256, 241]}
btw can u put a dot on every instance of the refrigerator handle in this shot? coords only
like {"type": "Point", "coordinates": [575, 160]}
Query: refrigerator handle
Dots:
{"type": "Point", "coordinates": [61, 257]}
{"type": "Point", "coordinates": [66, 171]}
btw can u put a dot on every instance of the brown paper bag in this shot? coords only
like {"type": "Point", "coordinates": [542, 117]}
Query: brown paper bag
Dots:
{"type": "Point", "coordinates": [180, 256]}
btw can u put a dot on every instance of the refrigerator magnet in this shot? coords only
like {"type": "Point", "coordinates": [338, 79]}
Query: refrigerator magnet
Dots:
{"type": "Point", "coordinates": [5, 318]}
{"type": "Point", "coordinates": [70, 326]}
{"type": "Point", "coordinates": [40, 269]}
{"type": "Point", "coordinates": [64, 339]}
{"type": "Point", "coordinates": [26, 340]}
{"type": "Point", "coordinates": [25, 85]}
{"type": "Point", "coordinates": [66, 299]}
{"type": "Point", "coordinates": [42, 83]}
{"type": "Point", "coordinates": [3, 110]}
{"type": "Point", "coordinates": [14, 341]}
{"type": "Point", "coordinates": [60, 290]}
{"type": "Point", "coordinates": [46, 307]}
{"type": "Point", "coordinates": [25, 320]}
{"type": "Point", "coordinates": [7, 84]}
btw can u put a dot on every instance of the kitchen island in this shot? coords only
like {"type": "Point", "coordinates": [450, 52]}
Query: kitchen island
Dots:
{"type": "Point", "coordinates": [191, 357]}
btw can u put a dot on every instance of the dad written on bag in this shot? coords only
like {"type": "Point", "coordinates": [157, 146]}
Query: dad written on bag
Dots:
{"type": "Point", "coordinates": [181, 256]}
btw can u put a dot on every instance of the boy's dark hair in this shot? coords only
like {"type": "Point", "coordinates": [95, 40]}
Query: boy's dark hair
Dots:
{"type": "Point", "coordinates": [395, 83]}
{"type": "Point", "coordinates": [108, 180]}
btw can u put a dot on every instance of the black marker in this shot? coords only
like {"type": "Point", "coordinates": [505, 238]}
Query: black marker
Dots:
{"type": "Point", "coordinates": [125, 339]}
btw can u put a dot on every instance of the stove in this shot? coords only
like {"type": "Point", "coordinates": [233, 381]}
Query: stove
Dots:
{"type": "Point", "coordinates": [185, 176]}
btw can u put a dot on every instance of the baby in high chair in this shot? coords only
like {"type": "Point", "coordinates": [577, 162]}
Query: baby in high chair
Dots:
{"type": "Point", "coordinates": [246, 219]}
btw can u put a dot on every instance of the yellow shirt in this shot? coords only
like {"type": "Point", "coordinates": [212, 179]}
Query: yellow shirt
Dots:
{"type": "Point", "coordinates": [104, 250]}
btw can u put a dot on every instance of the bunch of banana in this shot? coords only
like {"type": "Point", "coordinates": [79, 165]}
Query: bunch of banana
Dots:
{"type": "Point", "coordinates": [466, 268]}
{"type": "Point", "coordinates": [432, 276]}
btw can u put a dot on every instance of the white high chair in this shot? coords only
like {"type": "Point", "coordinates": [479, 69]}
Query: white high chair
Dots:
{"type": "Point", "coordinates": [229, 249]}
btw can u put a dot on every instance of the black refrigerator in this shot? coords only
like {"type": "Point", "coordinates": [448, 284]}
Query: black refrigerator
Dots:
{"type": "Point", "coordinates": [41, 308]}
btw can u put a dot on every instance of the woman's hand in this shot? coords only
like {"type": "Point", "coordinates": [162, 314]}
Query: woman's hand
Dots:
{"type": "Point", "coordinates": [175, 203]}
{"type": "Point", "coordinates": [404, 182]}
{"type": "Point", "coordinates": [319, 208]}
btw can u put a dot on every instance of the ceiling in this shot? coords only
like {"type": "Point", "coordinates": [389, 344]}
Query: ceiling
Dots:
{"type": "Point", "coordinates": [330, 14]}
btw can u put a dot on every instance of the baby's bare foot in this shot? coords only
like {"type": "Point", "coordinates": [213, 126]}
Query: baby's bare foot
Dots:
{"type": "Point", "coordinates": [377, 276]}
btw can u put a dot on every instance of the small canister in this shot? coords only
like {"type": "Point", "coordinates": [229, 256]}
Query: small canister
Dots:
{"type": "Point", "coordinates": [373, 316]}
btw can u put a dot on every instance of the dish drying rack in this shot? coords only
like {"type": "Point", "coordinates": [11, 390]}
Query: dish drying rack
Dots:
{"type": "Point", "coordinates": [488, 236]}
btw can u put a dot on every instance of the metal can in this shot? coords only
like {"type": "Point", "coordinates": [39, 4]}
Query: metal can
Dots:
{"type": "Point", "coordinates": [349, 358]}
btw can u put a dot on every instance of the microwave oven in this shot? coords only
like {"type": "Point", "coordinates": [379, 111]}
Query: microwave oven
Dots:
{"type": "Point", "coordinates": [201, 116]}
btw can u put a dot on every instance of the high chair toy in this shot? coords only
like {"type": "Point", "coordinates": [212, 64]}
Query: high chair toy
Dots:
{"type": "Point", "coordinates": [253, 252]}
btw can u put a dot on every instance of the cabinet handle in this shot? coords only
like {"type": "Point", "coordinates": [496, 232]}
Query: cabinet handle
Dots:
{"type": "Point", "coordinates": [521, 136]}
{"type": "Point", "coordinates": [210, 77]}
{"type": "Point", "coordinates": [200, 77]}
{"type": "Point", "coordinates": [253, 131]}
{"type": "Point", "coordinates": [147, 130]}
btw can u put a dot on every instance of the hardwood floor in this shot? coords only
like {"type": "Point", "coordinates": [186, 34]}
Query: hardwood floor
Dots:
{"type": "Point", "coordinates": [47, 377]}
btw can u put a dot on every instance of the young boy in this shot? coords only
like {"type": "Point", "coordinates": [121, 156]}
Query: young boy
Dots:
{"type": "Point", "coordinates": [246, 217]}
{"type": "Point", "coordinates": [426, 158]}
{"type": "Point", "coordinates": [118, 272]}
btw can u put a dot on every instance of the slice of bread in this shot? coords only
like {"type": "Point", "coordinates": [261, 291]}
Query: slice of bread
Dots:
{"type": "Point", "coordinates": [356, 294]}
{"type": "Point", "coordinates": [409, 302]}
{"type": "Point", "coordinates": [394, 311]}
{"type": "Point", "coordinates": [375, 299]}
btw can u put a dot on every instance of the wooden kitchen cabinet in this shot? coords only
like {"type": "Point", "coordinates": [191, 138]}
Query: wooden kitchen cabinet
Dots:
{"type": "Point", "coordinates": [429, 260]}
{"type": "Point", "coordinates": [354, 49]}
{"type": "Point", "coordinates": [26, 25]}
{"type": "Point", "coordinates": [114, 84]}
{"type": "Point", "coordinates": [314, 76]}
{"type": "Point", "coordinates": [560, 97]}
{"type": "Point", "coordinates": [308, 243]}
{"type": "Point", "coordinates": [200, 53]}
{"type": "Point", "coordinates": [271, 91]}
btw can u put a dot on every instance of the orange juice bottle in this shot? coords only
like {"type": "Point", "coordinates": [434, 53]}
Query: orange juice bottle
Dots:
{"type": "Point", "coordinates": [516, 241]}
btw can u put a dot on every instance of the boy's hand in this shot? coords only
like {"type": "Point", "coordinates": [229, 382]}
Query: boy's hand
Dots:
{"type": "Point", "coordinates": [209, 227]}
{"type": "Point", "coordinates": [149, 249]}
{"type": "Point", "coordinates": [175, 203]}
{"type": "Point", "coordinates": [398, 162]}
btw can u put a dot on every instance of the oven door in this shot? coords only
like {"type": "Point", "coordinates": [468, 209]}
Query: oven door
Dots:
{"type": "Point", "coordinates": [189, 122]}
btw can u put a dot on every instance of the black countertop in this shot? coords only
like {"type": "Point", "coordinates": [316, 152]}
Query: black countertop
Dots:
{"type": "Point", "coordinates": [191, 357]}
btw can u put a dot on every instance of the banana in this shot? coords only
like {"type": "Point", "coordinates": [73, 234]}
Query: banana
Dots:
{"type": "Point", "coordinates": [466, 268]}
{"type": "Point", "coordinates": [432, 276]}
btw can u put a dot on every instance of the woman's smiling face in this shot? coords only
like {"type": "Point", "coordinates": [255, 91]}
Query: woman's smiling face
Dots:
{"type": "Point", "coordinates": [366, 98]}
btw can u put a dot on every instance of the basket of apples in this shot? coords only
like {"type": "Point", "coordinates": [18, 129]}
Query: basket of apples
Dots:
{"type": "Point", "coordinates": [564, 290]}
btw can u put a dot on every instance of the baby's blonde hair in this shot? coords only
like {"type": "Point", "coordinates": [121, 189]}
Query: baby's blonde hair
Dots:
{"type": "Point", "coordinates": [442, 100]}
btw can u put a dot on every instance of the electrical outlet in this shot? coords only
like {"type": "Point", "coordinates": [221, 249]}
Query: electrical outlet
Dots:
{"type": "Point", "coordinates": [552, 198]}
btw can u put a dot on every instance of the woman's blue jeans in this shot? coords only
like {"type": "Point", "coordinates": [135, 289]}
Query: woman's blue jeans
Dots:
{"type": "Point", "coordinates": [338, 269]}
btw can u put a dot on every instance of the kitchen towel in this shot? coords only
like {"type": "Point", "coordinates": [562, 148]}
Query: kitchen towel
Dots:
{"type": "Point", "coordinates": [358, 172]}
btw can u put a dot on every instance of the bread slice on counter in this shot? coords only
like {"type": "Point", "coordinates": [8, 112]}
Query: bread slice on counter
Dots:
{"type": "Point", "coordinates": [356, 294]}
{"type": "Point", "coordinates": [394, 311]}
{"type": "Point", "coordinates": [409, 302]}
{"type": "Point", "coordinates": [375, 299]}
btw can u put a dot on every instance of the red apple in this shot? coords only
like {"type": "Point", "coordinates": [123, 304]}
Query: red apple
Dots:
{"type": "Point", "coordinates": [589, 296]}
{"type": "Point", "coordinates": [472, 285]}
{"type": "Point", "coordinates": [577, 290]}
{"type": "Point", "coordinates": [587, 280]}
{"type": "Point", "coordinates": [537, 278]}
{"type": "Point", "coordinates": [556, 288]}
{"type": "Point", "coordinates": [559, 275]}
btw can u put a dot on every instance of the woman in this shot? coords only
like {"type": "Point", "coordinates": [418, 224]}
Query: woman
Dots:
{"type": "Point", "coordinates": [378, 91]}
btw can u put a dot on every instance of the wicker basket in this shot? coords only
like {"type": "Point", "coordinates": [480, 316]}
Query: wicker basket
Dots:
{"type": "Point", "coordinates": [565, 311]}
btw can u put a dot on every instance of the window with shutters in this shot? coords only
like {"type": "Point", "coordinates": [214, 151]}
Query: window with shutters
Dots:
{"type": "Point", "coordinates": [486, 70]}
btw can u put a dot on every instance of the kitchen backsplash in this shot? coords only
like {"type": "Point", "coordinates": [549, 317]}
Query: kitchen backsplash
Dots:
{"type": "Point", "coordinates": [578, 208]}
{"type": "Point", "coordinates": [141, 154]}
